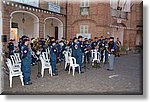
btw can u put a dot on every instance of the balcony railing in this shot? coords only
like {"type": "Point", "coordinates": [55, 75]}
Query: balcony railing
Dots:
{"type": "Point", "coordinates": [119, 14]}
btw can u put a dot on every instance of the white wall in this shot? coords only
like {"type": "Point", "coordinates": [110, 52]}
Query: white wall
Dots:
{"type": "Point", "coordinates": [31, 25]}
{"type": "Point", "coordinates": [26, 28]}
{"type": "Point", "coordinates": [50, 30]}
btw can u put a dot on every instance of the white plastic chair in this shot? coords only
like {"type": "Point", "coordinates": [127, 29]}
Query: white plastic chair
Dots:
{"type": "Point", "coordinates": [47, 50]}
{"type": "Point", "coordinates": [17, 55]}
{"type": "Point", "coordinates": [66, 54]}
{"type": "Point", "coordinates": [16, 61]}
{"type": "Point", "coordinates": [95, 56]}
{"type": "Point", "coordinates": [73, 65]}
{"type": "Point", "coordinates": [14, 71]}
{"type": "Point", "coordinates": [45, 63]}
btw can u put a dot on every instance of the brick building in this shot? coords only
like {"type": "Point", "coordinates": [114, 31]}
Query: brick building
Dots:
{"type": "Point", "coordinates": [100, 18]}
{"type": "Point", "coordinates": [39, 18]}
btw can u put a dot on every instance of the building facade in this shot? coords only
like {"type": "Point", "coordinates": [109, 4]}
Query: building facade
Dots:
{"type": "Point", "coordinates": [95, 19]}
{"type": "Point", "coordinates": [39, 18]}
{"type": "Point", "coordinates": [31, 19]}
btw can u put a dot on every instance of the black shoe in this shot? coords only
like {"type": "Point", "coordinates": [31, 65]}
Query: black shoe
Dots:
{"type": "Point", "coordinates": [82, 72]}
{"type": "Point", "coordinates": [110, 69]}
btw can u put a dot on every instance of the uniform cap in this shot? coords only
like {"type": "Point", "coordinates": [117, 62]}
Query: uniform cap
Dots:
{"type": "Point", "coordinates": [80, 37]}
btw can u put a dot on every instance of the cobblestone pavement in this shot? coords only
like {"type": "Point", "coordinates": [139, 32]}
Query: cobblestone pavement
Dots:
{"type": "Point", "coordinates": [125, 79]}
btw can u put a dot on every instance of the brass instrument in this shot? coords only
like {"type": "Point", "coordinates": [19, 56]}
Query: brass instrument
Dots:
{"type": "Point", "coordinates": [36, 45]}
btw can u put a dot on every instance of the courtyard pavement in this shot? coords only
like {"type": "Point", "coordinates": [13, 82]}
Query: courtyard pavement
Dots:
{"type": "Point", "coordinates": [125, 79]}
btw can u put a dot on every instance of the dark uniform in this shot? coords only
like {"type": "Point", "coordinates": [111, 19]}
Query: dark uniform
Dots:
{"type": "Point", "coordinates": [111, 50]}
{"type": "Point", "coordinates": [101, 48]}
{"type": "Point", "coordinates": [94, 44]}
{"type": "Point", "coordinates": [26, 62]}
{"type": "Point", "coordinates": [19, 46]}
{"type": "Point", "coordinates": [53, 60]}
{"type": "Point", "coordinates": [62, 48]}
{"type": "Point", "coordinates": [34, 50]}
{"type": "Point", "coordinates": [77, 53]}
{"type": "Point", "coordinates": [42, 44]}
{"type": "Point", "coordinates": [11, 48]}
{"type": "Point", "coordinates": [86, 52]}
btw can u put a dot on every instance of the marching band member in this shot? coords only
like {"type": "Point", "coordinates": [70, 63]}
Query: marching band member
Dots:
{"type": "Point", "coordinates": [94, 43]}
{"type": "Point", "coordinates": [34, 50]}
{"type": "Point", "coordinates": [19, 45]}
{"type": "Point", "coordinates": [26, 61]}
{"type": "Point", "coordinates": [101, 48]}
{"type": "Point", "coordinates": [77, 52]}
{"type": "Point", "coordinates": [118, 44]}
{"type": "Point", "coordinates": [86, 52]}
{"type": "Point", "coordinates": [53, 57]}
{"type": "Point", "coordinates": [11, 47]}
{"type": "Point", "coordinates": [111, 51]}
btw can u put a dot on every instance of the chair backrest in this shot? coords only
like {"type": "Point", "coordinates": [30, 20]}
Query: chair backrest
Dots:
{"type": "Point", "coordinates": [72, 61]}
{"type": "Point", "coordinates": [69, 54]}
{"type": "Point", "coordinates": [46, 56]}
{"type": "Point", "coordinates": [12, 69]}
{"type": "Point", "coordinates": [47, 50]}
{"type": "Point", "coordinates": [95, 54]}
{"type": "Point", "coordinates": [14, 60]}
{"type": "Point", "coordinates": [17, 56]}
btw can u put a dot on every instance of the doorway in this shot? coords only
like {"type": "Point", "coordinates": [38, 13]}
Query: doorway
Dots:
{"type": "Point", "coordinates": [56, 32]}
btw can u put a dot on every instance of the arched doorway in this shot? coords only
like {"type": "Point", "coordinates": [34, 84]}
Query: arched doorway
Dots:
{"type": "Point", "coordinates": [23, 23]}
{"type": "Point", "coordinates": [53, 27]}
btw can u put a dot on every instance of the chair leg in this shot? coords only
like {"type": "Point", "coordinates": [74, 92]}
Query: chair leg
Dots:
{"type": "Point", "coordinates": [69, 70]}
{"type": "Point", "coordinates": [21, 78]}
{"type": "Point", "coordinates": [42, 72]}
{"type": "Point", "coordinates": [73, 69]}
{"type": "Point", "coordinates": [10, 79]}
{"type": "Point", "coordinates": [79, 70]}
{"type": "Point", "coordinates": [65, 65]}
{"type": "Point", "coordinates": [50, 71]}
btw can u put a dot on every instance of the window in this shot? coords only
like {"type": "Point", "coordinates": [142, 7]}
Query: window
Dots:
{"type": "Point", "coordinates": [57, 2]}
{"type": "Point", "coordinates": [84, 7]}
{"type": "Point", "coordinates": [84, 3]}
{"type": "Point", "coordinates": [83, 29]}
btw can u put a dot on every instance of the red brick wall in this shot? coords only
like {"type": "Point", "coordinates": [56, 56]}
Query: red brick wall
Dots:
{"type": "Point", "coordinates": [99, 20]}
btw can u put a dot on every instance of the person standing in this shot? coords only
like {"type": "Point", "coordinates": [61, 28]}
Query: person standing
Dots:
{"type": "Point", "coordinates": [118, 45]}
{"type": "Point", "coordinates": [86, 52]}
{"type": "Point", "coordinates": [77, 52]}
{"type": "Point", "coordinates": [111, 50]}
{"type": "Point", "coordinates": [53, 57]}
{"type": "Point", "coordinates": [11, 47]}
{"type": "Point", "coordinates": [94, 43]}
{"type": "Point", "coordinates": [26, 61]}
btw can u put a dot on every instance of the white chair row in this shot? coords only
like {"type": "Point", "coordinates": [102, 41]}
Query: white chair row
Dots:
{"type": "Point", "coordinates": [14, 71]}
{"type": "Point", "coordinates": [67, 54]}
{"type": "Point", "coordinates": [45, 60]}
{"type": "Point", "coordinates": [73, 65]}
{"type": "Point", "coordinates": [71, 61]}
{"type": "Point", "coordinates": [95, 55]}
{"type": "Point", "coordinates": [16, 60]}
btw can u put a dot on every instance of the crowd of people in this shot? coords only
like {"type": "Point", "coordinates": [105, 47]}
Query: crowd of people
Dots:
{"type": "Point", "coordinates": [80, 47]}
